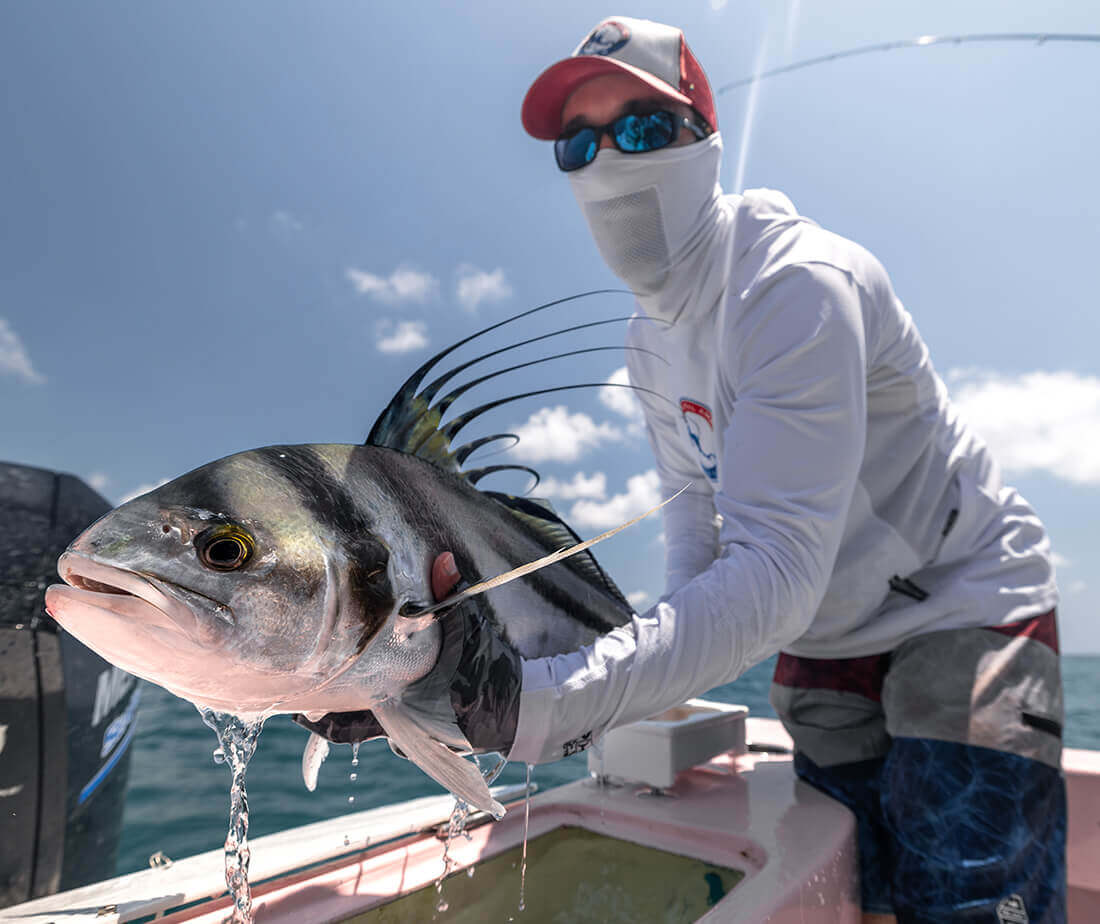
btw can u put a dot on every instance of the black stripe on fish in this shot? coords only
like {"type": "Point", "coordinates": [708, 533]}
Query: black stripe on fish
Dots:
{"type": "Point", "coordinates": [547, 585]}
{"type": "Point", "coordinates": [399, 480]}
{"type": "Point", "coordinates": [331, 503]}
{"type": "Point", "coordinates": [204, 487]}
{"type": "Point", "coordinates": [399, 477]}
{"type": "Point", "coordinates": [542, 583]}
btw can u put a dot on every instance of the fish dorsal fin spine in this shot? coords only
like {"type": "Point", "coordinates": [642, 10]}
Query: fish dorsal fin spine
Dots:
{"type": "Point", "coordinates": [407, 420]}
{"type": "Point", "coordinates": [412, 422]}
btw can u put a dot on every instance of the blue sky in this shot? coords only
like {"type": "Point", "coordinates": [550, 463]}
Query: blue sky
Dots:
{"type": "Point", "coordinates": [227, 225]}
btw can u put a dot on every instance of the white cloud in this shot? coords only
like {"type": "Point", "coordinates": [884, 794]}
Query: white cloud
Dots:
{"type": "Point", "coordinates": [403, 337]}
{"type": "Point", "coordinates": [99, 481]}
{"type": "Point", "coordinates": [1060, 561]}
{"type": "Point", "coordinates": [581, 485]}
{"type": "Point", "coordinates": [142, 489]}
{"type": "Point", "coordinates": [642, 492]}
{"type": "Point", "coordinates": [553, 434]}
{"type": "Point", "coordinates": [14, 359]}
{"type": "Point", "coordinates": [621, 400]}
{"type": "Point", "coordinates": [404, 284]}
{"type": "Point", "coordinates": [637, 599]}
{"type": "Point", "coordinates": [282, 222]}
{"type": "Point", "coordinates": [1038, 421]}
{"type": "Point", "coordinates": [1076, 587]}
{"type": "Point", "coordinates": [476, 286]}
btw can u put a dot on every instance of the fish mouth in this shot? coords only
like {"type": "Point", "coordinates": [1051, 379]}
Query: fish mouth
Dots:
{"type": "Point", "coordinates": [116, 591]}
{"type": "Point", "coordinates": [137, 622]}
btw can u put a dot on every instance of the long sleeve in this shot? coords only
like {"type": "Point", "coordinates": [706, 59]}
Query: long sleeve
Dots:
{"type": "Point", "coordinates": [790, 459]}
{"type": "Point", "coordinates": [691, 536]}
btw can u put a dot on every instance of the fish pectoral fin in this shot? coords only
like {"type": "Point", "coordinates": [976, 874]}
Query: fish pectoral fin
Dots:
{"type": "Point", "coordinates": [312, 757]}
{"type": "Point", "coordinates": [453, 773]}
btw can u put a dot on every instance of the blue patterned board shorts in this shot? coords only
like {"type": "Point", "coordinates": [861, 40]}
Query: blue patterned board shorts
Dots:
{"type": "Point", "coordinates": [948, 750]}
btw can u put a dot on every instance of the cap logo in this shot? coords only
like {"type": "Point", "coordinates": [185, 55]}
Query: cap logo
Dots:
{"type": "Point", "coordinates": [607, 38]}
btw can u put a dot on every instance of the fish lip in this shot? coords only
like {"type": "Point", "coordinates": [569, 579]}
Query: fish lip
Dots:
{"type": "Point", "coordinates": [182, 596]}
{"type": "Point", "coordinates": [73, 567]}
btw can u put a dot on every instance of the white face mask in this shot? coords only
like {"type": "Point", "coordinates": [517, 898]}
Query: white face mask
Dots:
{"type": "Point", "coordinates": [648, 212]}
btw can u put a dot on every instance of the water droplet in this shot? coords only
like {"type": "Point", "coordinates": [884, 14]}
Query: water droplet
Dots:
{"type": "Point", "coordinates": [470, 873]}
{"type": "Point", "coordinates": [353, 776]}
{"type": "Point", "coordinates": [442, 906]}
{"type": "Point", "coordinates": [496, 764]}
{"type": "Point", "coordinates": [351, 799]}
{"type": "Point", "coordinates": [355, 753]}
{"type": "Point", "coordinates": [219, 756]}
{"type": "Point", "coordinates": [347, 840]}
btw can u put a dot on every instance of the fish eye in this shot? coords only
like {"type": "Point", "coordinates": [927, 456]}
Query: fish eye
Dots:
{"type": "Point", "coordinates": [224, 548]}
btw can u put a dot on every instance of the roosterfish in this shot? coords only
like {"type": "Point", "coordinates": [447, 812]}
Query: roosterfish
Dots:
{"type": "Point", "coordinates": [296, 579]}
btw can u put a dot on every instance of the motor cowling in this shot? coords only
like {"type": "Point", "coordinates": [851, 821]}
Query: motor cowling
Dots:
{"type": "Point", "coordinates": [67, 717]}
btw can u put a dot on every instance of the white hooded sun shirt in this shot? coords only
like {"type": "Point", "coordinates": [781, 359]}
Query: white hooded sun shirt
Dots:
{"type": "Point", "coordinates": [838, 504]}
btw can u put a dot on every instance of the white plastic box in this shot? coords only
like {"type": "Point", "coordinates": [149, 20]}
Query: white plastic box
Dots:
{"type": "Point", "coordinates": [654, 750]}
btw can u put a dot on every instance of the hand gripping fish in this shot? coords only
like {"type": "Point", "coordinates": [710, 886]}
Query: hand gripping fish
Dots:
{"type": "Point", "coordinates": [295, 579]}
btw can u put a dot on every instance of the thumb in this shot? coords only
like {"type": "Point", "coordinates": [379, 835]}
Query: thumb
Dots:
{"type": "Point", "coordinates": [444, 575]}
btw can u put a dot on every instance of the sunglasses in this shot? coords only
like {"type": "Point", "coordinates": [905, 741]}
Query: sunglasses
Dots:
{"type": "Point", "coordinates": [631, 134]}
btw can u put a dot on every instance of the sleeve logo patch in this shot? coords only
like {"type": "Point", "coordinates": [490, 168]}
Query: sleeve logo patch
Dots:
{"type": "Point", "coordinates": [700, 429]}
{"type": "Point", "coordinates": [577, 745]}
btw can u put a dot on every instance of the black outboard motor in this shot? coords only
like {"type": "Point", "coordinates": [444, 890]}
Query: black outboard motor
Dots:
{"type": "Point", "coordinates": [66, 715]}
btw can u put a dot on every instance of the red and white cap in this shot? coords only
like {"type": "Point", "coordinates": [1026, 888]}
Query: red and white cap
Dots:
{"type": "Point", "coordinates": [655, 54]}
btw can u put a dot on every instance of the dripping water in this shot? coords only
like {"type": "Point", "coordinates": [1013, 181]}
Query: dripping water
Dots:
{"type": "Point", "coordinates": [599, 775]}
{"type": "Point", "coordinates": [526, 827]}
{"type": "Point", "coordinates": [456, 825]}
{"type": "Point", "coordinates": [490, 773]}
{"type": "Point", "coordinates": [354, 775]}
{"type": "Point", "coordinates": [237, 739]}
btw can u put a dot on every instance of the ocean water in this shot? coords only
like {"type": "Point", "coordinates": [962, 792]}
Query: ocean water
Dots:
{"type": "Point", "coordinates": [178, 800]}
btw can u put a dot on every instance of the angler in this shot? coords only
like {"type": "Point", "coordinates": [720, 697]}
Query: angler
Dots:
{"type": "Point", "coordinates": [841, 513]}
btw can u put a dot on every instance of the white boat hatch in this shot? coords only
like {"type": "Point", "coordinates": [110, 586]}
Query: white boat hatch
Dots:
{"type": "Point", "coordinates": [656, 749]}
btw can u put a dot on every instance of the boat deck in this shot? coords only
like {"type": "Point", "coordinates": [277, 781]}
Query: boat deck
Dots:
{"type": "Point", "coordinates": [747, 812]}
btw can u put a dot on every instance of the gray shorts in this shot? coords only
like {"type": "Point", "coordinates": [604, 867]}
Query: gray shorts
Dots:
{"type": "Point", "coordinates": [948, 751]}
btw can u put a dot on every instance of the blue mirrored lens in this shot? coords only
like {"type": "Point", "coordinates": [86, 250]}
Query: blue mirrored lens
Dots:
{"type": "Point", "coordinates": [576, 150]}
{"type": "Point", "coordinates": [637, 133]}
{"type": "Point", "coordinates": [633, 134]}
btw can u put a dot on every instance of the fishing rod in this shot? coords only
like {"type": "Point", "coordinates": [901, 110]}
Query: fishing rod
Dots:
{"type": "Point", "coordinates": [923, 41]}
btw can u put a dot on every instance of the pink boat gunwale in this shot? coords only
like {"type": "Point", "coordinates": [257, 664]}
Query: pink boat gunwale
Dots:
{"type": "Point", "coordinates": [741, 810]}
